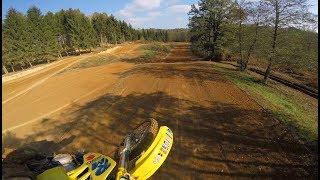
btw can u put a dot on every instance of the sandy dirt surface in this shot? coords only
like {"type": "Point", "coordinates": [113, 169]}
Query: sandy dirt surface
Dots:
{"type": "Point", "coordinates": [16, 75]}
{"type": "Point", "coordinates": [219, 132]}
{"type": "Point", "coordinates": [32, 71]}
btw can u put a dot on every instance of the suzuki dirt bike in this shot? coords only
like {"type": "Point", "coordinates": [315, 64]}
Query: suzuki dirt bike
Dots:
{"type": "Point", "coordinates": [139, 156]}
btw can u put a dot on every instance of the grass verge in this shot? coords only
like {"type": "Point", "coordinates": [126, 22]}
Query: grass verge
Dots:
{"type": "Point", "coordinates": [103, 47]}
{"type": "Point", "coordinates": [91, 62]}
{"type": "Point", "coordinates": [150, 53]}
{"type": "Point", "coordinates": [153, 50]}
{"type": "Point", "coordinates": [95, 61]}
{"type": "Point", "coordinates": [290, 108]}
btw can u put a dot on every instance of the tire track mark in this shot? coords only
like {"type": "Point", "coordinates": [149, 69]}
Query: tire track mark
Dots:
{"type": "Point", "coordinates": [115, 89]}
{"type": "Point", "coordinates": [39, 82]}
{"type": "Point", "coordinates": [221, 151]}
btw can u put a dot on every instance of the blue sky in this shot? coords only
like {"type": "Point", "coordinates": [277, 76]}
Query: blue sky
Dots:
{"type": "Point", "coordinates": [139, 13]}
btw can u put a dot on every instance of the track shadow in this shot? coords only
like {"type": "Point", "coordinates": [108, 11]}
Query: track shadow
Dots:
{"type": "Point", "coordinates": [210, 141]}
{"type": "Point", "coordinates": [189, 71]}
{"type": "Point", "coordinates": [43, 146]}
{"type": "Point", "coordinates": [15, 162]}
{"type": "Point", "coordinates": [180, 53]}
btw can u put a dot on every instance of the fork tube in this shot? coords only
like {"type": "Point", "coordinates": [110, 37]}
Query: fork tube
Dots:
{"type": "Point", "coordinates": [124, 155]}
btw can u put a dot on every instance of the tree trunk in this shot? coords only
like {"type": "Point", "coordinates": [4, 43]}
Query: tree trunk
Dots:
{"type": "Point", "coordinates": [242, 64]}
{"type": "Point", "coordinates": [308, 44]}
{"type": "Point", "coordinates": [213, 48]}
{"type": "Point", "coordinates": [30, 63]}
{"type": "Point", "coordinates": [274, 41]}
{"type": "Point", "coordinates": [101, 40]}
{"type": "Point", "coordinates": [12, 68]}
{"type": "Point", "coordinates": [267, 73]}
{"type": "Point", "coordinates": [251, 48]}
{"type": "Point", "coordinates": [4, 69]}
{"type": "Point", "coordinates": [216, 53]}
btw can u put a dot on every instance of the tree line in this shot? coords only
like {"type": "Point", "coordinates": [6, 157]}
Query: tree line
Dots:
{"type": "Point", "coordinates": [35, 38]}
{"type": "Point", "coordinates": [277, 31]}
{"type": "Point", "coordinates": [178, 35]}
{"type": "Point", "coordinates": [170, 35]}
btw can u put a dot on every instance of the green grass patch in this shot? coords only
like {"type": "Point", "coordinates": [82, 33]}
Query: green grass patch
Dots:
{"type": "Point", "coordinates": [157, 47]}
{"type": "Point", "coordinates": [91, 62]}
{"type": "Point", "coordinates": [154, 49]}
{"type": "Point", "coordinates": [151, 53]}
{"type": "Point", "coordinates": [284, 106]}
{"type": "Point", "coordinates": [103, 47]}
{"type": "Point", "coordinates": [147, 54]}
{"type": "Point", "coordinates": [95, 61]}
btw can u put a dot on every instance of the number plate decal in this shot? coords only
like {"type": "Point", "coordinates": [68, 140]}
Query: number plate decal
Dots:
{"type": "Point", "coordinates": [100, 166]}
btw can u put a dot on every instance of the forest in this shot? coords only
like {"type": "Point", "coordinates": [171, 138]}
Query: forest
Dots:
{"type": "Point", "coordinates": [36, 38]}
{"type": "Point", "coordinates": [277, 33]}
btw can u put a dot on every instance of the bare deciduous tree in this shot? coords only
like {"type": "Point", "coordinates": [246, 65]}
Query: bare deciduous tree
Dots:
{"type": "Point", "coordinates": [255, 16]}
{"type": "Point", "coordinates": [281, 14]}
{"type": "Point", "coordinates": [240, 15]}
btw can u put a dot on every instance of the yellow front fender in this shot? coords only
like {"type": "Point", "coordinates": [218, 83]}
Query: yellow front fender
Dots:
{"type": "Point", "coordinates": [155, 155]}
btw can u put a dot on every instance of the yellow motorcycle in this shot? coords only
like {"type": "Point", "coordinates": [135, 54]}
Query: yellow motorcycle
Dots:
{"type": "Point", "coordinates": [139, 156]}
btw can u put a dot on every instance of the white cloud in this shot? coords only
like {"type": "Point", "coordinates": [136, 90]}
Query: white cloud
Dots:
{"type": "Point", "coordinates": [179, 19]}
{"type": "Point", "coordinates": [170, 2]}
{"type": "Point", "coordinates": [125, 12]}
{"type": "Point", "coordinates": [146, 4]}
{"type": "Point", "coordinates": [196, 5]}
{"type": "Point", "coordinates": [155, 13]}
{"type": "Point", "coordinates": [182, 8]}
{"type": "Point", "coordinates": [138, 5]}
{"type": "Point", "coordinates": [139, 21]}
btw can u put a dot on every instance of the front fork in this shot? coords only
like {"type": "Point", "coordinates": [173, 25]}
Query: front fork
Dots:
{"type": "Point", "coordinates": [122, 173]}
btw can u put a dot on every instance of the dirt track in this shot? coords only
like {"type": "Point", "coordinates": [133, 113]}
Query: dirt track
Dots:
{"type": "Point", "coordinates": [219, 132]}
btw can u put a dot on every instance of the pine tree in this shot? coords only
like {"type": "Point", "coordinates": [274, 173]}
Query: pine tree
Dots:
{"type": "Point", "coordinates": [87, 33]}
{"type": "Point", "coordinates": [35, 45]}
{"type": "Point", "coordinates": [5, 61]}
{"type": "Point", "coordinates": [38, 38]}
{"type": "Point", "coordinates": [72, 18]}
{"type": "Point", "coordinates": [51, 47]}
{"type": "Point", "coordinates": [14, 38]}
{"type": "Point", "coordinates": [99, 22]}
{"type": "Point", "coordinates": [64, 37]}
